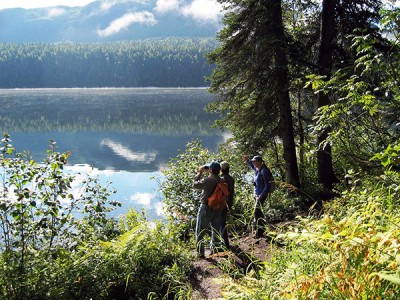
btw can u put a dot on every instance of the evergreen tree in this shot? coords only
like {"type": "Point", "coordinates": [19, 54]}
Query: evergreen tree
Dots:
{"type": "Point", "coordinates": [251, 78]}
{"type": "Point", "coordinates": [326, 175]}
{"type": "Point", "coordinates": [338, 19]}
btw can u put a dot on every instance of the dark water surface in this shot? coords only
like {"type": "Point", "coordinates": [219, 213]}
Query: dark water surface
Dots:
{"type": "Point", "coordinates": [125, 136]}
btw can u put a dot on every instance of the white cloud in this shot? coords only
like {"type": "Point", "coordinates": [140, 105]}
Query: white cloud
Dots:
{"type": "Point", "coordinates": [107, 4]}
{"type": "Point", "coordinates": [42, 3]}
{"type": "Point", "coordinates": [163, 6]}
{"type": "Point", "coordinates": [203, 10]}
{"type": "Point", "coordinates": [126, 20]}
{"type": "Point", "coordinates": [143, 199]}
{"type": "Point", "coordinates": [117, 148]}
{"type": "Point", "coordinates": [55, 12]}
{"type": "Point", "coordinates": [200, 10]}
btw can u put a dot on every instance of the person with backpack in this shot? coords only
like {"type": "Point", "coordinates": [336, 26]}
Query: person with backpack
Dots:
{"type": "Point", "coordinates": [262, 186]}
{"type": "Point", "coordinates": [208, 219]}
{"type": "Point", "coordinates": [231, 188]}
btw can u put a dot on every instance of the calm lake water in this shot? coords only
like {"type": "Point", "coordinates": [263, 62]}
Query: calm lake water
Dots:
{"type": "Point", "coordinates": [124, 136]}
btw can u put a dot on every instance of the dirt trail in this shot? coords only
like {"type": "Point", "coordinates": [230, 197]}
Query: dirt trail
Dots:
{"type": "Point", "coordinates": [243, 256]}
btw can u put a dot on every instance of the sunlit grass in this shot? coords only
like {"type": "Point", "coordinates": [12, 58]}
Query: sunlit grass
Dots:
{"type": "Point", "coordinates": [350, 252]}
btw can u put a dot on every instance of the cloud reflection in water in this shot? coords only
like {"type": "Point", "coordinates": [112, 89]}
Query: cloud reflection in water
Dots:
{"type": "Point", "coordinates": [128, 154]}
{"type": "Point", "coordinates": [143, 199]}
{"type": "Point", "coordinates": [135, 189]}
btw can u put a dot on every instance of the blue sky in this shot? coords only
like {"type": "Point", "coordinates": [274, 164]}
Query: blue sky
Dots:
{"type": "Point", "coordinates": [202, 10]}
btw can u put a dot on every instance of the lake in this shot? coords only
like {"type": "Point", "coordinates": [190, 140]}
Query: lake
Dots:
{"type": "Point", "coordinates": [124, 136]}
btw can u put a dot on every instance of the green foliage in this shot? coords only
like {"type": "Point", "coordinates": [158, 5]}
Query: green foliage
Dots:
{"type": "Point", "coordinates": [358, 244]}
{"type": "Point", "coordinates": [146, 260]}
{"type": "Point", "coordinates": [57, 242]}
{"type": "Point", "coordinates": [41, 217]}
{"type": "Point", "coordinates": [350, 252]}
{"type": "Point", "coordinates": [364, 119]}
{"type": "Point", "coordinates": [389, 157]}
{"type": "Point", "coordinates": [182, 200]}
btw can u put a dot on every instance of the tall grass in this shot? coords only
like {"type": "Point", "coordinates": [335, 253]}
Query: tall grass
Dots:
{"type": "Point", "coordinates": [351, 251]}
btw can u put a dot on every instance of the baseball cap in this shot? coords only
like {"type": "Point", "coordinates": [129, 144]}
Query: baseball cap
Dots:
{"type": "Point", "coordinates": [257, 158]}
{"type": "Point", "coordinates": [215, 166]}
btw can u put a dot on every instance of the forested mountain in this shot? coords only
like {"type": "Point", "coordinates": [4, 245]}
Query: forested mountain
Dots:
{"type": "Point", "coordinates": [105, 21]}
{"type": "Point", "coordinates": [170, 62]}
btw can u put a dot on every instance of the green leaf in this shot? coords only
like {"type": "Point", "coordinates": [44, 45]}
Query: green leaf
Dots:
{"type": "Point", "coordinates": [389, 277]}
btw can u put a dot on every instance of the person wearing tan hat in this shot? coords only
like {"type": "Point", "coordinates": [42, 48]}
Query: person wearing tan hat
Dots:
{"type": "Point", "coordinates": [231, 188]}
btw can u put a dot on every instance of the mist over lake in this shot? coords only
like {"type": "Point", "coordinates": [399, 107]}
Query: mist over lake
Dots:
{"type": "Point", "coordinates": [125, 136]}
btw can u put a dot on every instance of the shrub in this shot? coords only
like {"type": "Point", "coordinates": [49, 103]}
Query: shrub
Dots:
{"type": "Point", "coordinates": [146, 260]}
{"type": "Point", "coordinates": [57, 242]}
{"type": "Point", "coordinates": [351, 252]}
{"type": "Point", "coordinates": [43, 219]}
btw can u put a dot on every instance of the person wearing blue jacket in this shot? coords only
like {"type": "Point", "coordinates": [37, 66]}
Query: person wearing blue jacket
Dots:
{"type": "Point", "coordinates": [261, 190]}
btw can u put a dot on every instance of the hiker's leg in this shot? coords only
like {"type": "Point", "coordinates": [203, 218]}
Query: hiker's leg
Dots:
{"type": "Point", "coordinates": [202, 224]}
{"type": "Point", "coordinates": [258, 223]}
{"type": "Point", "coordinates": [216, 239]}
{"type": "Point", "coordinates": [223, 229]}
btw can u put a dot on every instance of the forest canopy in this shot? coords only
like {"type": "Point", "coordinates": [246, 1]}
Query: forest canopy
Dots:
{"type": "Point", "coordinates": [170, 62]}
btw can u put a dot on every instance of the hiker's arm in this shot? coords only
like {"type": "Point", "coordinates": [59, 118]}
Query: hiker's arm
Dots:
{"type": "Point", "coordinates": [251, 165]}
{"type": "Point", "coordinates": [198, 183]}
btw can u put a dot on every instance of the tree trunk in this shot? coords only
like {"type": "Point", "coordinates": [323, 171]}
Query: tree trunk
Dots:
{"type": "Point", "coordinates": [282, 93]}
{"type": "Point", "coordinates": [301, 135]}
{"type": "Point", "coordinates": [326, 175]}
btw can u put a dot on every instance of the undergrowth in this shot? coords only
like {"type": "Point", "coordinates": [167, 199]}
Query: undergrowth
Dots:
{"type": "Point", "coordinates": [350, 251]}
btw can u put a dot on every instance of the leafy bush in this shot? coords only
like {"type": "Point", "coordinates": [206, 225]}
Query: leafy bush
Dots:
{"type": "Point", "coordinates": [146, 260]}
{"type": "Point", "coordinates": [182, 200]}
{"type": "Point", "coordinates": [42, 218]}
{"type": "Point", "coordinates": [57, 243]}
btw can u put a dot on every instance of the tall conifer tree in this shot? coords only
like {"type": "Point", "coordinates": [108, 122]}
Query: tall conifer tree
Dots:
{"type": "Point", "coordinates": [339, 18]}
{"type": "Point", "coordinates": [326, 175]}
{"type": "Point", "coordinates": [251, 78]}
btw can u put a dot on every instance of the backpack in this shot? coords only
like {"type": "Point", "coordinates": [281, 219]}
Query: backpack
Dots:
{"type": "Point", "coordinates": [271, 180]}
{"type": "Point", "coordinates": [219, 198]}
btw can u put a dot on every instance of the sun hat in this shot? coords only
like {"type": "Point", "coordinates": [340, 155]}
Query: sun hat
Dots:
{"type": "Point", "coordinates": [224, 165]}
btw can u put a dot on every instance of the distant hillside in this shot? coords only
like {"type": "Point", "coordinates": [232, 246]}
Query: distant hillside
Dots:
{"type": "Point", "coordinates": [170, 62]}
{"type": "Point", "coordinates": [101, 22]}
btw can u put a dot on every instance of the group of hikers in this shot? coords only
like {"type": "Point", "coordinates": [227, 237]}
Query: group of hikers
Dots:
{"type": "Point", "coordinates": [213, 220]}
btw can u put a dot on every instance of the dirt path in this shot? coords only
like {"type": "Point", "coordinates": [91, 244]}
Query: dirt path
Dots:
{"type": "Point", "coordinates": [211, 272]}
{"type": "Point", "coordinates": [207, 281]}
